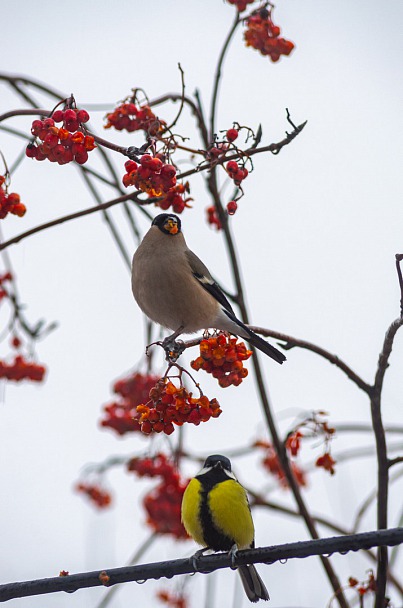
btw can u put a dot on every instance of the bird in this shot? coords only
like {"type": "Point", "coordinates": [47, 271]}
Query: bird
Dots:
{"type": "Point", "coordinates": [216, 514]}
{"type": "Point", "coordinates": [175, 289]}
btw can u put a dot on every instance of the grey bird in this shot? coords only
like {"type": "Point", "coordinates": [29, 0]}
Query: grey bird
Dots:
{"type": "Point", "coordinates": [174, 288]}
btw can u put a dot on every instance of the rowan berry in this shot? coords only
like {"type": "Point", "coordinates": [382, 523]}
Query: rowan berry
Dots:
{"type": "Point", "coordinates": [121, 415]}
{"type": "Point", "coordinates": [326, 462]}
{"type": "Point", "coordinates": [163, 503]}
{"type": "Point", "coordinates": [21, 369]}
{"type": "Point", "coordinates": [99, 497]}
{"type": "Point", "coordinates": [171, 404]}
{"type": "Point", "coordinates": [130, 117]}
{"type": "Point", "coordinates": [241, 4]}
{"type": "Point", "coordinates": [232, 166]}
{"type": "Point", "coordinates": [56, 142]}
{"type": "Point", "coordinates": [263, 35]}
{"type": "Point", "coordinates": [272, 463]}
{"type": "Point", "coordinates": [9, 202]}
{"type": "Point", "coordinates": [221, 356]}
{"type": "Point", "coordinates": [232, 206]}
{"type": "Point", "coordinates": [232, 134]}
{"type": "Point", "coordinates": [212, 217]}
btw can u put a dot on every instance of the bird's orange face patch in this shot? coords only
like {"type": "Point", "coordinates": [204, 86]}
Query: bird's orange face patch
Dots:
{"type": "Point", "coordinates": [171, 226]}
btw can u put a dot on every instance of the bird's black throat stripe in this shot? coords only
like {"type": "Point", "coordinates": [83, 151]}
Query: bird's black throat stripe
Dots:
{"type": "Point", "coordinates": [213, 537]}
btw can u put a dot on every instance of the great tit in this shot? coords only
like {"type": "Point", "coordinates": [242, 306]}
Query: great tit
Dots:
{"type": "Point", "coordinates": [174, 288]}
{"type": "Point", "coordinates": [216, 514]}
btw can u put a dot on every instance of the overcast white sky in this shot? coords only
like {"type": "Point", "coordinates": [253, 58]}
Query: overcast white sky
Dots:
{"type": "Point", "coordinates": [316, 233]}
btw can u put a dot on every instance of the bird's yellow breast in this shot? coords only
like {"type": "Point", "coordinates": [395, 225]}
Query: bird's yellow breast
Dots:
{"type": "Point", "coordinates": [229, 509]}
{"type": "Point", "coordinates": [230, 512]}
{"type": "Point", "coordinates": [191, 503]}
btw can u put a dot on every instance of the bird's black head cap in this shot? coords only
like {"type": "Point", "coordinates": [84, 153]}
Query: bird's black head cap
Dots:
{"type": "Point", "coordinates": [168, 223]}
{"type": "Point", "coordinates": [218, 460]}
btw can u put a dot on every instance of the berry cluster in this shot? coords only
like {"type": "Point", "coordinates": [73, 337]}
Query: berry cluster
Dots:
{"type": "Point", "coordinates": [121, 415]}
{"type": "Point", "coordinates": [129, 117]}
{"type": "Point", "coordinates": [222, 357]}
{"type": "Point", "coordinates": [174, 198]}
{"type": "Point", "coordinates": [152, 175]}
{"type": "Point", "coordinates": [97, 495]}
{"type": "Point", "coordinates": [263, 35]}
{"type": "Point", "coordinates": [315, 426]}
{"type": "Point", "coordinates": [174, 600]}
{"type": "Point", "coordinates": [171, 405]}
{"type": "Point", "coordinates": [157, 466]}
{"type": "Point", "coordinates": [62, 145]}
{"type": "Point", "coordinates": [212, 217]}
{"type": "Point", "coordinates": [241, 4]}
{"type": "Point", "coordinates": [217, 152]}
{"type": "Point", "coordinates": [365, 586]}
{"type": "Point", "coordinates": [9, 203]}
{"type": "Point", "coordinates": [20, 369]}
{"type": "Point", "coordinates": [235, 172]}
{"type": "Point", "coordinates": [272, 463]}
{"type": "Point", "coordinates": [163, 503]}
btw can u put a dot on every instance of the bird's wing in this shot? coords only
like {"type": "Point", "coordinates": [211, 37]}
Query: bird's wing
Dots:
{"type": "Point", "coordinates": [202, 274]}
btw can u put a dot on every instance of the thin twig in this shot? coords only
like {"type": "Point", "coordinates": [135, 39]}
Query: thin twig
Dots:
{"type": "Point", "coordinates": [182, 99]}
{"type": "Point", "coordinates": [217, 77]}
{"type": "Point", "coordinates": [399, 258]}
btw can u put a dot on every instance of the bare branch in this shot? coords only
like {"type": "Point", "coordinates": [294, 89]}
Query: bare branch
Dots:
{"type": "Point", "coordinates": [72, 216]}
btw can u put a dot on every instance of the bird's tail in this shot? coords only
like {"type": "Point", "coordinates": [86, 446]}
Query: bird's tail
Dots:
{"type": "Point", "coordinates": [254, 586]}
{"type": "Point", "coordinates": [256, 340]}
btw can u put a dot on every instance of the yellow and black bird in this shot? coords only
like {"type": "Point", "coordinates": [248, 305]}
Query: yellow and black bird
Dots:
{"type": "Point", "coordinates": [216, 514]}
{"type": "Point", "coordinates": [174, 288]}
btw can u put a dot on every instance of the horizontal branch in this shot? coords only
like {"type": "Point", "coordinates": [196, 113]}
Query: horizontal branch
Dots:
{"type": "Point", "coordinates": [72, 216]}
{"type": "Point", "coordinates": [205, 564]}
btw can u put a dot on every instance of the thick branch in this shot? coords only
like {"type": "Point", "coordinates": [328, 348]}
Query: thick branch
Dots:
{"type": "Point", "coordinates": [205, 564]}
{"type": "Point", "coordinates": [382, 457]}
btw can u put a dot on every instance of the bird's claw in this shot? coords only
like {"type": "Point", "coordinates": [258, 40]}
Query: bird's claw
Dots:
{"type": "Point", "coordinates": [233, 552]}
{"type": "Point", "coordinates": [195, 557]}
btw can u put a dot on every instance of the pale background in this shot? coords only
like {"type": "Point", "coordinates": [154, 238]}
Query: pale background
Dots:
{"type": "Point", "coordinates": [316, 232]}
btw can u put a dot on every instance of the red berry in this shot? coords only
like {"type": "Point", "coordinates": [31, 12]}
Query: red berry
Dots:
{"type": "Point", "coordinates": [81, 157]}
{"type": "Point", "coordinates": [18, 209]}
{"type": "Point", "coordinates": [155, 165]}
{"type": "Point", "coordinates": [145, 161]}
{"type": "Point", "coordinates": [58, 115]}
{"type": "Point", "coordinates": [31, 151]}
{"type": "Point", "coordinates": [232, 207]}
{"type": "Point", "coordinates": [130, 165]}
{"type": "Point", "coordinates": [232, 134]}
{"type": "Point", "coordinates": [70, 115]}
{"type": "Point", "coordinates": [83, 116]}
{"type": "Point", "coordinates": [168, 172]}
{"type": "Point", "coordinates": [48, 122]}
{"type": "Point", "coordinates": [232, 166]}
